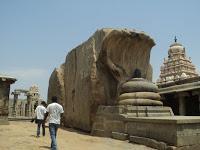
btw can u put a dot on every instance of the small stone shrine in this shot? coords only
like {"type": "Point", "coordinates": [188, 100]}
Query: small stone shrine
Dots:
{"type": "Point", "coordinates": [138, 98]}
{"type": "Point", "coordinates": [5, 82]}
{"type": "Point", "coordinates": [140, 117]}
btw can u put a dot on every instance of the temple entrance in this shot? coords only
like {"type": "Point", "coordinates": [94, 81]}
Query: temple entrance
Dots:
{"type": "Point", "coordinates": [170, 101]}
{"type": "Point", "coordinates": [192, 106]}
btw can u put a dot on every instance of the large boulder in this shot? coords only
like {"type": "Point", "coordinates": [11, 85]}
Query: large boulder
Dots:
{"type": "Point", "coordinates": [56, 85]}
{"type": "Point", "coordinates": [94, 70]}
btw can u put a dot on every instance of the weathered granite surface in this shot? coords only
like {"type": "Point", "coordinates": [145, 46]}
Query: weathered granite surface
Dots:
{"type": "Point", "coordinates": [94, 70]}
{"type": "Point", "coordinates": [5, 82]}
{"type": "Point", "coordinates": [139, 92]}
{"type": "Point", "coordinates": [56, 85]}
{"type": "Point", "coordinates": [4, 98]}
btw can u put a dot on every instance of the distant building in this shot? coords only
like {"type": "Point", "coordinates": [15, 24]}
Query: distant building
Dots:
{"type": "Point", "coordinates": [179, 82]}
{"type": "Point", "coordinates": [5, 82]}
{"type": "Point", "coordinates": [24, 107]}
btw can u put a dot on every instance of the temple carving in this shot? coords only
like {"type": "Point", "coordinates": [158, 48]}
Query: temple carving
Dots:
{"type": "Point", "coordinates": [177, 66]}
{"type": "Point", "coordinates": [179, 82]}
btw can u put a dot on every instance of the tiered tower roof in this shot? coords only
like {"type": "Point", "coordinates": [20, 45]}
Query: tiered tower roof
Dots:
{"type": "Point", "coordinates": [177, 66]}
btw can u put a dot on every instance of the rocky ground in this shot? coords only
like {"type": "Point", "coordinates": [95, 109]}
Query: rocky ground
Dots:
{"type": "Point", "coordinates": [21, 136]}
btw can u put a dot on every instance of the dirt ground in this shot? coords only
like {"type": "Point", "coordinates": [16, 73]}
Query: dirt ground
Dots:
{"type": "Point", "coordinates": [21, 136]}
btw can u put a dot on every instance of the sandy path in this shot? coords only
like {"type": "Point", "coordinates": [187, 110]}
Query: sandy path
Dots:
{"type": "Point", "coordinates": [21, 136]}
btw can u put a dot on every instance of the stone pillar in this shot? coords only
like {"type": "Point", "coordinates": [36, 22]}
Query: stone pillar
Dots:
{"type": "Point", "coordinates": [23, 109]}
{"type": "Point", "coordinates": [28, 110]}
{"type": "Point", "coordinates": [197, 92]}
{"type": "Point", "coordinates": [182, 106]}
{"type": "Point", "coordinates": [5, 82]}
{"type": "Point", "coordinates": [199, 100]}
{"type": "Point", "coordinates": [14, 102]}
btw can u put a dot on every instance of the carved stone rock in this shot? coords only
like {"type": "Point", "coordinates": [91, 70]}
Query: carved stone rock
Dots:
{"type": "Point", "coordinates": [150, 95]}
{"type": "Point", "coordinates": [94, 70]}
{"type": "Point", "coordinates": [138, 85]}
{"type": "Point", "coordinates": [139, 92]}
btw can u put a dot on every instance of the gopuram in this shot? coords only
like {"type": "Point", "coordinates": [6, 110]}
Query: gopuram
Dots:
{"type": "Point", "coordinates": [5, 82]}
{"type": "Point", "coordinates": [179, 82]}
{"type": "Point", "coordinates": [24, 107]}
{"type": "Point", "coordinates": [105, 86]}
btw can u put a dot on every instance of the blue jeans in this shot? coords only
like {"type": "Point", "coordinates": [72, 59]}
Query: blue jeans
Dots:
{"type": "Point", "coordinates": [53, 128]}
{"type": "Point", "coordinates": [39, 123]}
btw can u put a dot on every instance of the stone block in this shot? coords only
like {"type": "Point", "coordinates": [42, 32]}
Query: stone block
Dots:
{"type": "Point", "coordinates": [98, 132]}
{"type": "Point", "coordinates": [188, 147]}
{"type": "Point", "coordinates": [99, 118]}
{"type": "Point", "coordinates": [177, 131]}
{"type": "Point", "coordinates": [119, 136]}
{"type": "Point", "coordinates": [148, 142]}
{"type": "Point", "coordinates": [98, 125]}
{"type": "Point", "coordinates": [114, 125]}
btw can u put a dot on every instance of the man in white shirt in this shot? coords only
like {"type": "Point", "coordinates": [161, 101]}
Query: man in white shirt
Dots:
{"type": "Point", "coordinates": [54, 110]}
{"type": "Point", "coordinates": [40, 112]}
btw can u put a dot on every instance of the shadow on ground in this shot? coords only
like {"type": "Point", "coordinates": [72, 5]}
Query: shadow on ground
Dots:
{"type": "Point", "coordinates": [76, 130]}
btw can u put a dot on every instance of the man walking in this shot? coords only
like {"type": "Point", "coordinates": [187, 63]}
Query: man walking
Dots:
{"type": "Point", "coordinates": [40, 112]}
{"type": "Point", "coordinates": [54, 110]}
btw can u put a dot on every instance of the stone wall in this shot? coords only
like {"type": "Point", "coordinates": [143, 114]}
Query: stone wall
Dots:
{"type": "Point", "coordinates": [148, 125]}
{"type": "Point", "coordinates": [5, 82]}
{"type": "Point", "coordinates": [4, 97]}
{"type": "Point", "coordinates": [93, 71]}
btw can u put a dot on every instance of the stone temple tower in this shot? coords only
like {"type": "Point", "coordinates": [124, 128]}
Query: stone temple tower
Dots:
{"type": "Point", "coordinates": [33, 97]}
{"type": "Point", "coordinates": [177, 66]}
